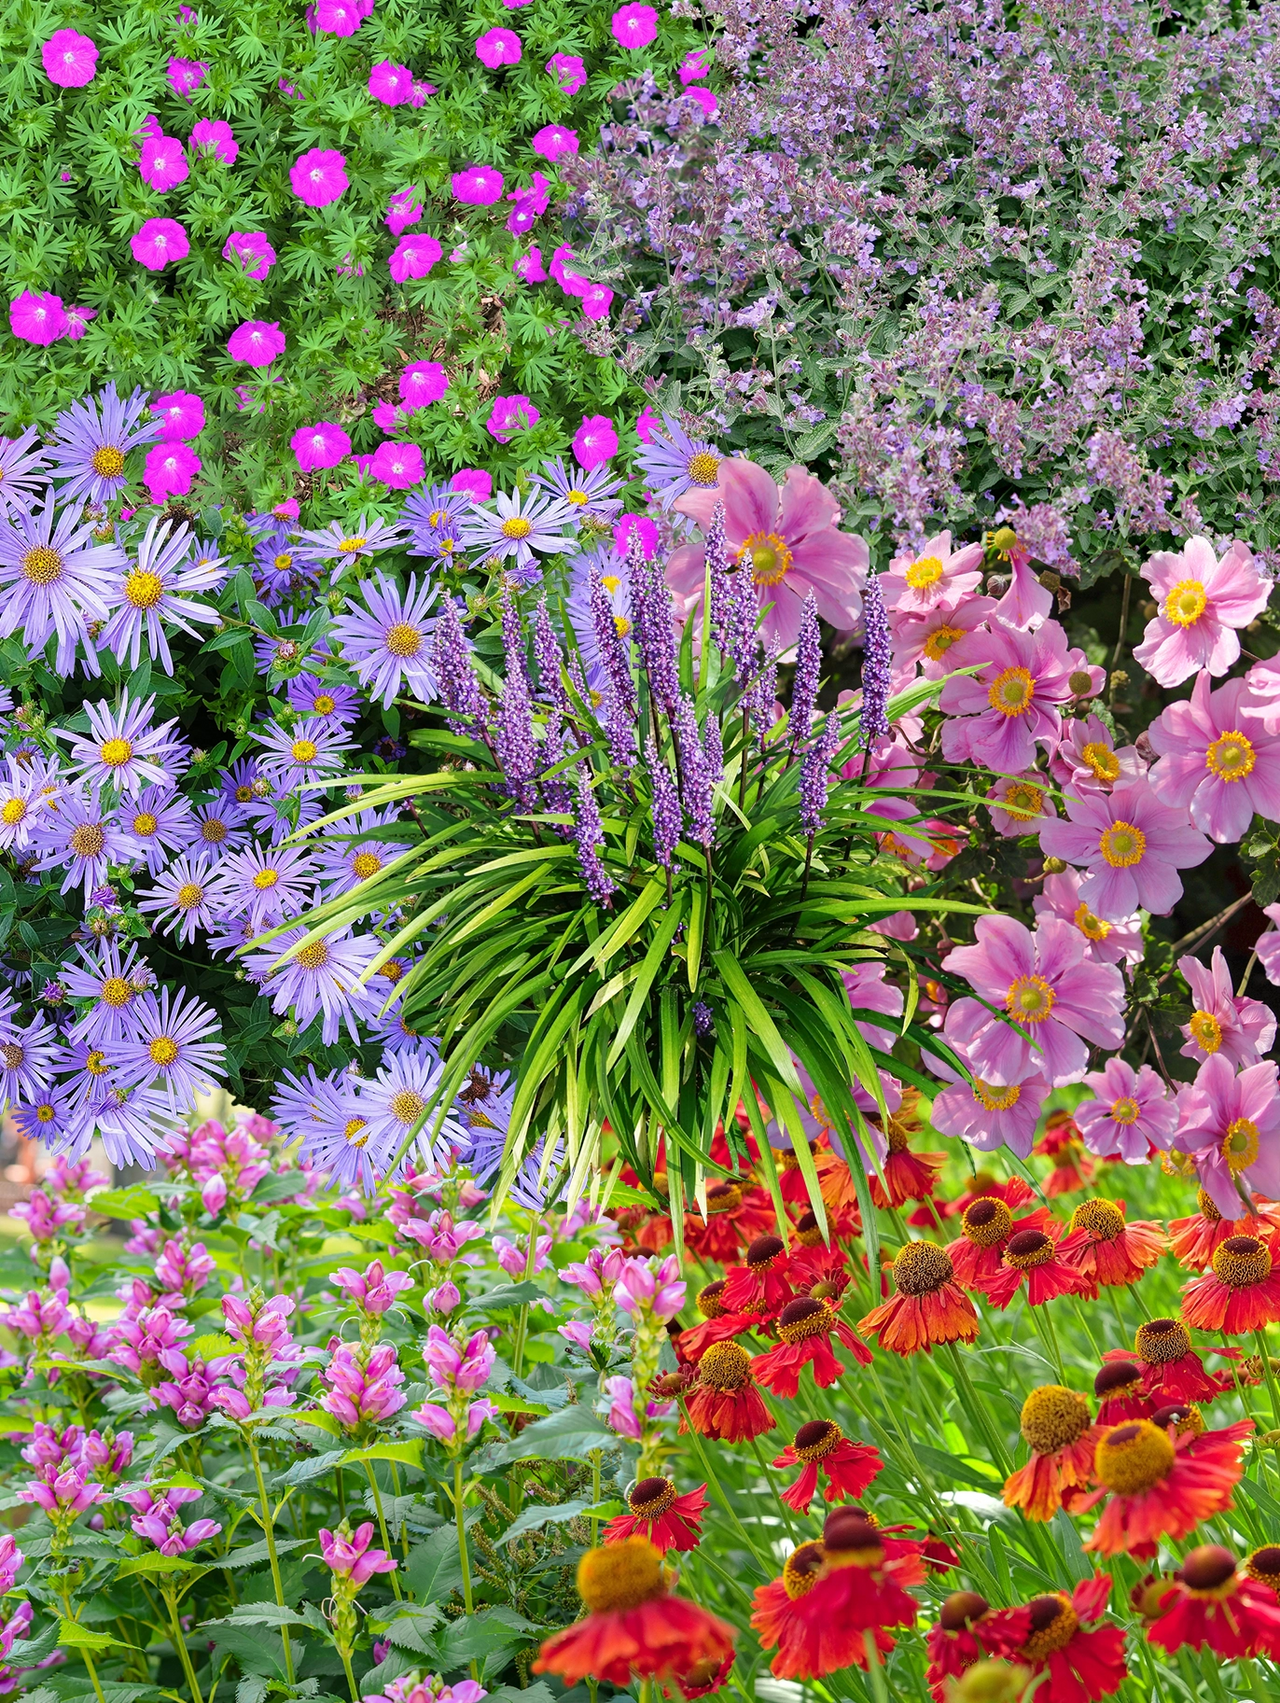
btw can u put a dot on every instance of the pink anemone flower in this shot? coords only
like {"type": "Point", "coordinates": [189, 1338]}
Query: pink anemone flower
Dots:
{"type": "Point", "coordinates": [788, 537]}
{"type": "Point", "coordinates": [1267, 945]}
{"type": "Point", "coordinates": [1087, 759]}
{"type": "Point", "coordinates": [927, 639]}
{"type": "Point", "coordinates": [1106, 942]}
{"type": "Point", "coordinates": [1052, 999]}
{"type": "Point", "coordinates": [917, 584]}
{"type": "Point", "coordinates": [1132, 847]}
{"type": "Point", "coordinates": [1217, 760]}
{"type": "Point", "coordinates": [1242, 1030]}
{"type": "Point", "coordinates": [1018, 802]}
{"type": "Point", "coordinates": [1203, 601]}
{"type": "Point", "coordinates": [1230, 1125]}
{"type": "Point", "coordinates": [1002, 712]}
{"type": "Point", "coordinates": [988, 1117]}
{"type": "Point", "coordinates": [1133, 1113]}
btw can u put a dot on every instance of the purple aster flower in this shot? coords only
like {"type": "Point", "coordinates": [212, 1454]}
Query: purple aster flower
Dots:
{"type": "Point", "coordinates": [585, 495]}
{"type": "Point", "coordinates": [318, 977]}
{"type": "Point", "coordinates": [265, 885]}
{"type": "Point", "coordinates": [877, 664]}
{"type": "Point", "coordinates": [484, 1108]}
{"type": "Point", "coordinates": [218, 827]}
{"type": "Point", "coordinates": [388, 643]}
{"type": "Point", "coordinates": [185, 898]}
{"type": "Point", "coordinates": [400, 1095]}
{"type": "Point", "coordinates": [672, 463]}
{"type": "Point", "coordinates": [124, 750]}
{"type": "Point", "coordinates": [157, 589]}
{"type": "Point", "coordinates": [26, 1059]}
{"type": "Point", "coordinates": [340, 1141]}
{"type": "Point", "coordinates": [1132, 847]}
{"type": "Point", "coordinates": [277, 809]}
{"type": "Point", "coordinates": [1133, 1112]}
{"type": "Point", "coordinates": [170, 1049]}
{"type": "Point", "coordinates": [815, 774]}
{"type": "Point", "coordinates": [54, 579]}
{"type": "Point", "coordinates": [25, 791]}
{"type": "Point", "coordinates": [343, 545]}
{"type": "Point", "coordinates": [84, 839]}
{"type": "Point", "coordinates": [665, 805]}
{"type": "Point", "coordinates": [434, 518]}
{"type": "Point", "coordinates": [306, 754]}
{"type": "Point", "coordinates": [340, 868]}
{"type": "Point", "coordinates": [523, 522]}
{"type": "Point", "coordinates": [114, 980]}
{"type": "Point", "coordinates": [92, 440]}
{"type": "Point", "coordinates": [329, 702]}
{"type": "Point", "coordinates": [22, 469]}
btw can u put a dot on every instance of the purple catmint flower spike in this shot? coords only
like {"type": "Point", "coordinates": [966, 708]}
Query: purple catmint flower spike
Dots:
{"type": "Point", "coordinates": [696, 783]}
{"type": "Point", "coordinates": [877, 660]}
{"type": "Point", "coordinates": [589, 835]}
{"type": "Point", "coordinates": [804, 689]}
{"type": "Point", "coordinates": [815, 774]}
{"type": "Point", "coordinates": [467, 708]}
{"type": "Point", "coordinates": [546, 650]}
{"type": "Point", "coordinates": [665, 804]}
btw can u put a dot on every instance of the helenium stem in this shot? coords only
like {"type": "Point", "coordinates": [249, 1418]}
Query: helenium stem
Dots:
{"type": "Point", "coordinates": [1270, 1376]}
{"type": "Point", "coordinates": [268, 1529]}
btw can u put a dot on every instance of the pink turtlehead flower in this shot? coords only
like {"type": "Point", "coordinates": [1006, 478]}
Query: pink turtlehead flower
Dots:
{"type": "Point", "coordinates": [498, 47]}
{"type": "Point", "coordinates": [398, 465]}
{"type": "Point", "coordinates": [568, 70]}
{"type": "Point", "coordinates": [649, 1286]}
{"type": "Point", "coordinates": [788, 537]}
{"type": "Point", "coordinates": [1000, 714]}
{"type": "Point", "coordinates": [1018, 803]}
{"type": "Point", "coordinates": [181, 416]}
{"type": "Point", "coordinates": [69, 59]}
{"type": "Point", "coordinates": [477, 186]}
{"type": "Point", "coordinates": [169, 470]}
{"type": "Point", "coordinates": [373, 1290]}
{"type": "Point", "coordinates": [1131, 846]}
{"type": "Point", "coordinates": [319, 177]}
{"type": "Point", "coordinates": [413, 257]}
{"type": "Point", "coordinates": [441, 1424]}
{"type": "Point", "coordinates": [1053, 999]}
{"type": "Point", "coordinates": [11, 1559]}
{"type": "Point", "coordinates": [61, 1494]}
{"type": "Point", "coordinates": [215, 136]}
{"type": "Point", "coordinates": [598, 1273]}
{"type": "Point", "coordinates": [553, 141]}
{"type": "Point", "coordinates": [927, 639]}
{"type": "Point", "coordinates": [1203, 602]}
{"type": "Point", "coordinates": [935, 575]}
{"type": "Point", "coordinates": [1132, 1115]}
{"type": "Point", "coordinates": [186, 1270]}
{"type": "Point", "coordinates": [186, 75]}
{"type": "Point", "coordinates": [445, 1298]}
{"type": "Point", "coordinates": [422, 383]}
{"type": "Point", "coordinates": [1106, 942]}
{"type": "Point", "coordinates": [358, 1394]}
{"type": "Point", "coordinates": [989, 1117]}
{"type": "Point", "coordinates": [38, 317]}
{"type": "Point", "coordinates": [1217, 759]}
{"type": "Point", "coordinates": [1230, 1124]}
{"type": "Point", "coordinates": [1242, 1029]}
{"type": "Point", "coordinates": [622, 1416]}
{"type": "Point", "coordinates": [268, 1323]}
{"type": "Point", "coordinates": [390, 83]}
{"type": "Point", "coordinates": [163, 163]}
{"type": "Point", "coordinates": [38, 1316]}
{"type": "Point", "coordinates": [514, 1259]}
{"type": "Point", "coordinates": [159, 241]}
{"type": "Point", "coordinates": [153, 1337]}
{"type": "Point", "coordinates": [46, 1218]}
{"type": "Point", "coordinates": [348, 1556]}
{"type": "Point", "coordinates": [441, 1238]}
{"type": "Point", "coordinates": [213, 1194]}
{"type": "Point", "coordinates": [257, 342]}
{"type": "Point", "coordinates": [254, 253]}
{"type": "Point", "coordinates": [453, 1367]}
{"type": "Point", "coordinates": [634, 26]}
{"type": "Point", "coordinates": [509, 415]}
{"type": "Point", "coordinates": [1086, 758]}
{"type": "Point", "coordinates": [319, 446]}
{"type": "Point", "coordinates": [577, 1332]}
{"type": "Point", "coordinates": [595, 441]}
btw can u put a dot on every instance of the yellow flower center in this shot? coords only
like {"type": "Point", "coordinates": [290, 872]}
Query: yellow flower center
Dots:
{"type": "Point", "coordinates": [349, 546]}
{"type": "Point", "coordinates": [115, 753]}
{"type": "Point", "coordinates": [577, 498]}
{"type": "Point", "coordinates": [351, 1132]}
{"type": "Point", "coordinates": [88, 839]}
{"type": "Point", "coordinates": [144, 590]}
{"type": "Point", "coordinates": [315, 956]}
{"type": "Point", "coordinates": [921, 1268]}
{"type": "Point", "coordinates": [283, 562]}
{"type": "Point", "coordinates": [1103, 1219]}
{"type": "Point", "coordinates": [96, 1064]}
{"type": "Point", "coordinates": [14, 811]}
{"type": "Point", "coordinates": [163, 1050]}
{"type": "Point", "coordinates": [1231, 756]}
{"type": "Point", "coordinates": [364, 864]}
{"type": "Point", "coordinates": [1133, 1457]}
{"type": "Point", "coordinates": [108, 462]}
{"type": "Point", "coordinates": [703, 468]}
{"type": "Point", "coordinates": [45, 1113]}
{"type": "Point", "coordinates": [1186, 603]}
{"type": "Point", "coordinates": [1030, 999]}
{"type": "Point", "coordinates": [1123, 845]}
{"type": "Point", "coordinates": [1241, 1261]}
{"type": "Point", "coordinates": [145, 824]}
{"type": "Point", "coordinates": [1011, 691]}
{"type": "Point", "coordinates": [1206, 1031]}
{"type": "Point", "coordinates": [265, 878]}
{"type": "Point", "coordinates": [1125, 1111]}
{"type": "Point", "coordinates": [996, 1099]}
{"type": "Point", "coordinates": [725, 1366]}
{"type": "Point", "coordinates": [623, 625]}
{"type": "Point", "coordinates": [516, 527]}
{"type": "Point", "coordinates": [189, 896]}
{"type": "Point", "coordinates": [1054, 1623]}
{"type": "Point", "coordinates": [621, 1575]}
{"type": "Point", "coordinates": [403, 640]}
{"type": "Point", "coordinates": [303, 751]}
{"type": "Point", "coordinates": [1102, 760]}
{"type": "Point", "coordinates": [769, 557]}
{"type": "Point", "coordinates": [1240, 1145]}
{"type": "Point", "coordinates": [407, 1106]}
{"type": "Point", "coordinates": [1093, 928]}
{"type": "Point", "coordinates": [924, 573]}
{"type": "Point", "coordinates": [940, 641]}
{"type": "Point", "coordinates": [115, 992]}
{"type": "Point", "coordinates": [324, 704]}
{"type": "Point", "coordinates": [42, 565]}
{"type": "Point", "coordinates": [243, 794]}
{"type": "Point", "coordinates": [1022, 800]}
{"type": "Point", "coordinates": [1052, 1417]}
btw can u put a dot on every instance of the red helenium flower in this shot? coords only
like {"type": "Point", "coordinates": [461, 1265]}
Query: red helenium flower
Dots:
{"type": "Point", "coordinates": [669, 1521]}
{"type": "Point", "coordinates": [928, 1307]}
{"type": "Point", "coordinates": [1160, 1485]}
{"type": "Point", "coordinates": [1239, 1293]}
{"type": "Point", "coordinates": [1211, 1602]}
{"type": "Point", "coordinates": [1102, 1247]}
{"type": "Point", "coordinates": [1059, 1430]}
{"type": "Point", "coordinates": [806, 1326]}
{"type": "Point", "coordinates": [822, 1450]}
{"type": "Point", "coordinates": [969, 1630]}
{"type": "Point", "coordinates": [725, 1404]}
{"type": "Point", "coordinates": [1083, 1661]}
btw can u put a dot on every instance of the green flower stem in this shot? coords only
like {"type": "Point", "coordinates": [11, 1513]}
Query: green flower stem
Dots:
{"type": "Point", "coordinates": [995, 1444]}
{"type": "Point", "coordinates": [875, 1673]}
{"type": "Point", "coordinates": [595, 1495]}
{"type": "Point", "coordinates": [713, 1483]}
{"type": "Point", "coordinates": [180, 1642]}
{"type": "Point", "coordinates": [1261, 1342]}
{"type": "Point", "coordinates": [93, 1677]}
{"type": "Point", "coordinates": [1044, 1326]}
{"type": "Point", "coordinates": [268, 1528]}
{"type": "Point", "coordinates": [463, 1557]}
{"type": "Point", "coordinates": [382, 1525]}
{"type": "Point", "coordinates": [345, 1653]}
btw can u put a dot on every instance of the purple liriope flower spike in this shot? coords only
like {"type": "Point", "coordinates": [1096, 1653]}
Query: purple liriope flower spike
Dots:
{"type": "Point", "coordinates": [713, 750]}
{"type": "Point", "coordinates": [804, 688]}
{"type": "Point", "coordinates": [651, 602]}
{"type": "Point", "coordinates": [546, 649]}
{"type": "Point", "coordinates": [665, 804]}
{"type": "Point", "coordinates": [513, 732]}
{"type": "Point", "coordinates": [703, 1018]}
{"type": "Point", "coordinates": [555, 788]}
{"type": "Point", "coordinates": [715, 555]}
{"type": "Point", "coordinates": [589, 836]}
{"type": "Point", "coordinates": [613, 651]}
{"type": "Point", "coordinates": [877, 659]}
{"type": "Point", "coordinates": [763, 698]}
{"type": "Point", "coordinates": [466, 705]}
{"type": "Point", "coordinates": [815, 774]}
{"type": "Point", "coordinates": [696, 785]}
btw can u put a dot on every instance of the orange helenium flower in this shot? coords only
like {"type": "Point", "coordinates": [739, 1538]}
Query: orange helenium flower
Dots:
{"type": "Point", "coordinates": [822, 1450]}
{"type": "Point", "coordinates": [1032, 1257]}
{"type": "Point", "coordinates": [1239, 1293]}
{"type": "Point", "coordinates": [718, 1325]}
{"type": "Point", "coordinates": [1171, 1369]}
{"type": "Point", "coordinates": [985, 1228]}
{"type": "Point", "coordinates": [1160, 1485]}
{"type": "Point", "coordinates": [928, 1307]}
{"type": "Point", "coordinates": [969, 1630]}
{"type": "Point", "coordinates": [907, 1175]}
{"type": "Point", "coordinates": [656, 1512]}
{"type": "Point", "coordinates": [1193, 1240]}
{"type": "Point", "coordinates": [1083, 1661]}
{"type": "Point", "coordinates": [1059, 1430]}
{"type": "Point", "coordinates": [776, 1614]}
{"type": "Point", "coordinates": [806, 1326]}
{"type": "Point", "coordinates": [724, 1403]}
{"type": "Point", "coordinates": [1119, 1389]}
{"type": "Point", "coordinates": [1212, 1603]}
{"type": "Point", "coordinates": [859, 1594]}
{"type": "Point", "coordinates": [1106, 1250]}
{"type": "Point", "coordinates": [737, 1212]}
{"type": "Point", "coordinates": [761, 1285]}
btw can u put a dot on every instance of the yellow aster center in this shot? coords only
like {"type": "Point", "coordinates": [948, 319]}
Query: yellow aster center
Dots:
{"type": "Point", "coordinates": [577, 498]}
{"type": "Point", "coordinates": [303, 751]}
{"type": "Point", "coordinates": [349, 546]}
{"type": "Point", "coordinates": [1125, 1110]}
{"type": "Point", "coordinates": [1133, 1457]}
{"type": "Point", "coordinates": [324, 704]}
{"type": "Point", "coordinates": [314, 957]}
{"type": "Point", "coordinates": [1206, 1031]}
{"type": "Point", "coordinates": [108, 461]}
{"type": "Point", "coordinates": [610, 582]}
{"type": "Point", "coordinates": [283, 562]}
{"type": "Point", "coordinates": [1011, 691]}
{"type": "Point", "coordinates": [115, 753]}
{"type": "Point", "coordinates": [924, 573]}
{"type": "Point", "coordinates": [351, 1131]}
{"type": "Point", "coordinates": [145, 824]}
{"type": "Point", "coordinates": [265, 878]}
{"type": "Point", "coordinates": [1093, 928]}
{"type": "Point", "coordinates": [243, 794]}
{"type": "Point", "coordinates": [407, 1106]}
{"type": "Point", "coordinates": [96, 1064]}
{"type": "Point", "coordinates": [189, 896]}
{"type": "Point", "coordinates": [769, 557]}
{"type": "Point", "coordinates": [621, 1576]}
{"type": "Point", "coordinates": [88, 840]}
{"type": "Point", "coordinates": [42, 565]}
{"type": "Point", "coordinates": [1231, 756]}
{"type": "Point", "coordinates": [996, 1099]}
{"type": "Point", "coordinates": [1030, 999]}
{"type": "Point", "coordinates": [14, 811]}
{"type": "Point", "coordinates": [1122, 845]}
{"type": "Point", "coordinates": [144, 590]}
{"type": "Point", "coordinates": [1240, 1145]}
{"type": "Point", "coordinates": [516, 527]}
{"type": "Point", "coordinates": [1102, 760]}
{"type": "Point", "coordinates": [1186, 603]}
{"type": "Point", "coordinates": [115, 992]}
{"type": "Point", "coordinates": [163, 1051]}
{"type": "Point", "coordinates": [213, 831]}
{"type": "Point", "coordinates": [364, 864]}
{"type": "Point", "coordinates": [623, 626]}
{"type": "Point", "coordinates": [703, 468]}
{"type": "Point", "coordinates": [403, 640]}
{"type": "Point", "coordinates": [45, 1113]}
{"type": "Point", "coordinates": [1023, 800]}
{"type": "Point", "coordinates": [940, 641]}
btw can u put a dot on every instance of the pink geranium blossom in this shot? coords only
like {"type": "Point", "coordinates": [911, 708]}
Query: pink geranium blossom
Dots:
{"type": "Point", "coordinates": [475, 481]}
{"type": "Point", "coordinates": [1086, 758]}
{"type": "Point", "coordinates": [705, 99]}
{"type": "Point", "coordinates": [694, 66]}
{"type": "Point", "coordinates": [596, 301]}
{"type": "Point", "coordinates": [788, 537]}
{"type": "Point", "coordinates": [181, 416]}
{"type": "Point", "coordinates": [214, 134]}
{"type": "Point", "coordinates": [595, 441]}
{"type": "Point", "coordinates": [553, 141]}
{"type": "Point", "coordinates": [422, 383]}
{"type": "Point", "coordinates": [339, 17]}
{"type": "Point", "coordinates": [390, 83]}
{"type": "Point", "coordinates": [1107, 941]}
{"type": "Point", "coordinates": [529, 266]}
{"type": "Point", "coordinates": [169, 470]}
{"type": "Point", "coordinates": [37, 318]}
{"type": "Point", "coordinates": [404, 209]}
{"type": "Point", "coordinates": [1241, 1029]}
{"type": "Point", "coordinates": [398, 465]}
{"type": "Point", "coordinates": [568, 70]}
{"type": "Point", "coordinates": [319, 446]}
{"type": "Point", "coordinates": [162, 163]}
{"type": "Point", "coordinates": [1230, 1124]}
{"type": "Point", "coordinates": [186, 75]}
{"type": "Point", "coordinates": [1050, 995]}
{"type": "Point", "coordinates": [257, 341]}
{"type": "Point", "coordinates": [988, 1117]}
{"type": "Point", "coordinates": [1010, 705]}
{"type": "Point", "coordinates": [634, 26]}
{"type": "Point", "coordinates": [413, 257]}
{"type": "Point", "coordinates": [69, 59]}
{"type": "Point", "coordinates": [319, 177]}
{"type": "Point", "coordinates": [1132, 1114]}
{"type": "Point", "coordinates": [1216, 760]}
{"type": "Point", "coordinates": [1132, 847]}
{"type": "Point", "coordinates": [252, 250]}
{"type": "Point", "coordinates": [919, 582]}
{"type": "Point", "coordinates": [1203, 601]}
{"type": "Point", "coordinates": [498, 47]}
{"type": "Point", "coordinates": [477, 186]}
{"type": "Point", "coordinates": [509, 415]}
{"type": "Point", "coordinates": [159, 241]}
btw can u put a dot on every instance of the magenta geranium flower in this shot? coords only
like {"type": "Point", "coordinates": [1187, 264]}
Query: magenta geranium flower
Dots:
{"type": "Point", "coordinates": [163, 163]}
{"type": "Point", "coordinates": [69, 59]}
{"type": "Point", "coordinates": [186, 75]}
{"type": "Point", "coordinates": [1011, 704]}
{"type": "Point", "coordinates": [1052, 998]}
{"type": "Point", "coordinates": [705, 99]}
{"type": "Point", "coordinates": [1086, 758]}
{"type": "Point", "coordinates": [511, 414]}
{"type": "Point", "coordinates": [321, 445]}
{"type": "Point", "coordinates": [413, 257]}
{"type": "Point", "coordinates": [1132, 1114]}
{"type": "Point", "coordinates": [634, 26]}
{"type": "Point", "coordinates": [398, 465]}
{"type": "Point", "coordinates": [988, 1117]}
{"type": "Point", "coordinates": [1217, 762]}
{"type": "Point", "coordinates": [529, 267]}
{"type": "Point", "coordinates": [158, 242]}
{"type": "Point", "coordinates": [1107, 941]}
{"type": "Point", "coordinates": [498, 47]}
{"type": "Point", "coordinates": [1203, 601]}
{"type": "Point", "coordinates": [595, 441]}
{"type": "Point", "coordinates": [319, 177]}
{"type": "Point", "coordinates": [477, 186]}
{"type": "Point", "coordinates": [181, 416]}
{"type": "Point", "coordinates": [405, 209]}
{"type": "Point", "coordinates": [254, 253]}
{"type": "Point", "coordinates": [553, 141]}
{"type": "Point", "coordinates": [1241, 1029]}
{"type": "Point", "coordinates": [919, 582]}
{"type": "Point", "coordinates": [474, 481]}
{"type": "Point", "coordinates": [596, 301]}
{"type": "Point", "coordinates": [1132, 847]}
{"type": "Point", "coordinates": [37, 317]}
{"type": "Point", "coordinates": [1230, 1124]}
{"type": "Point", "coordinates": [169, 470]}
{"type": "Point", "coordinates": [214, 134]}
{"type": "Point", "coordinates": [568, 70]}
{"type": "Point", "coordinates": [257, 341]}
{"type": "Point", "coordinates": [789, 539]}
{"type": "Point", "coordinates": [422, 383]}
{"type": "Point", "coordinates": [390, 83]}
